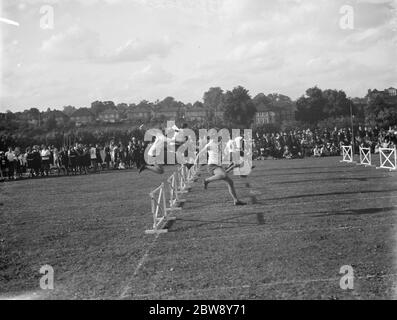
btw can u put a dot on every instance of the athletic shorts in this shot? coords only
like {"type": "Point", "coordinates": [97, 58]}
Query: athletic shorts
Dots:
{"type": "Point", "coordinates": [154, 161]}
{"type": "Point", "coordinates": [213, 167]}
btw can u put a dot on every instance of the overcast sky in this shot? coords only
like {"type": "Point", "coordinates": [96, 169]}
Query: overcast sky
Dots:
{"type": "Point", "coordinates": [130, 50]}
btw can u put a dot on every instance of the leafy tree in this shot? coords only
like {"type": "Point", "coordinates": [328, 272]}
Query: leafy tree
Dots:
{"type": "Point", "coordinates": [69, 110]}
{"type": "Point", "coordinates": [261, 100]}
{"type": "Point", "coordinates": [310, 107]}
{"type": "Point", "coordinates": [336, 103]}
{"type": "Point", "coordinates": [35, 113]}
{"type": "Point", "coordinates": [239, 108]}
{"type": "Point", "coordinates": [382, 111]}
{"type": "Point", "coordinates": [213, 101]}
{"type": "Point", "coordinates": [97, 107]}
{"type": "Point", "coordinates": [50, 123]}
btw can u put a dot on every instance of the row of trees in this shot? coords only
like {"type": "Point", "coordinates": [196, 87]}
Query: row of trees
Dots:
{"type": "Point", "coordinates": [233, 108]}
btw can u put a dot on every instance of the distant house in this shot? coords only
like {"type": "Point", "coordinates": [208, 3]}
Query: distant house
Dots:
{"type": "Point", "coordinates": [392, 91]}
{"type": "Point", "coordinates": [264, 115]}
{"type": "Point", "coordinates": [195, 113]}
{"type": "Point", "coordinates": [219, 114]}
{"type": "Point", "coordinates": [110, 115]}
{"type": "Point", "coordinates": [59, 117]}
{"type": "Point", "coordinates": [170, 113]}
{"type": "Point", "coordinates": [82, 116]}
{"type": "Point", "coordinates": [139, 113]}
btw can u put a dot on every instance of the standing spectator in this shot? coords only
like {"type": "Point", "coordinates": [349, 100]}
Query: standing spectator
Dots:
{"type": "Point", "coordinates": [18, 163]}
{"type": "Point", "coordinates": [45, 160]}
{"type": "Point", "coordinates": [108, 157]}
{"type": "Point", "coordinates": [73, 160]}
{"type": "Point", "coordinates": [98, 157]}
{"type": "Point", "coordinates": [10, 155]}
{"type": "Point", "coordinates": [86, 157]}
{"type": "Point", "coordinates": [29, 162]}
{"type": "Point", "coordinates": [64, 160]}
{"type": "Point", "coordinates": [3, 165]}
{"type": "Point", "coordinates": [36, 160]}
{"type": "Point", "coordinates": [93, 158]}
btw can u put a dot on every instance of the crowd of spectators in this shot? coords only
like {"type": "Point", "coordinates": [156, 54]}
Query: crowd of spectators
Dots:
{"type": "Point", "coordinates": [320, 143]}
{"type": "Point", "coordinates": [42, 161]}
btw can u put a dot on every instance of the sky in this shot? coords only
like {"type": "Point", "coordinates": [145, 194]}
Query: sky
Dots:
{"type": "Point", "coordinates": [131, 50]}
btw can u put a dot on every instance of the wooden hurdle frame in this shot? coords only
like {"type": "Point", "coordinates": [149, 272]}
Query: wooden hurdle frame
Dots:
{"type": "Point", "coordinates": [178, 183]}
{"type": "Point", "coordinates": [175, 201]}
{"type": "Point", "coordinates": [183, 185]}
{"type": "Point", "coordinates": [192, 174]}
{"type": "Point", "coordinates": [159, 211]}
{"type": "Point", "coordinates": [365, 157]}
{"type": "Point", "coordinates": [387, 159]}
{"type": "Point", "coordinates": [347, 153]}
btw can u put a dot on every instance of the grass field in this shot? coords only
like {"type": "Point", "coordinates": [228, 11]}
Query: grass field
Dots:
{"type": "Point", "coordinates": [312, 217]}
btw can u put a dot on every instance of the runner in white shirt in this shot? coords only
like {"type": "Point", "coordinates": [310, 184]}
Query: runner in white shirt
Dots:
{"type": "Point", "coordinates": [215, 168]}
{"type": "Point", "coordinates": [232, 146]}
{"type": "Point", "coordinates": [236, 145]}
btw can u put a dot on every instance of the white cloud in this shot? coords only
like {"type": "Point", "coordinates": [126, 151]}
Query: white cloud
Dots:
{"type": "Point", "coordinates": [137, 50]}
{"type": "Point", "coordinates": [117, 48]}
{"type": "Point", "coordinates": [152, 75]}
{"type": "Point", "coordinates": [74, 43]}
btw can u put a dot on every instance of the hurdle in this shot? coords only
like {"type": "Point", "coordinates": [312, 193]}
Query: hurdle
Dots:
{"type": "Point", "coordinates": [365, 157]}
{"type": "Point", "coordinates": [388, 159]}
{"type": "Point", "coordinates": [347, 153]}
{"type": "Point", "coordinates": [175, 201]}
{"type": "Point", "coordinates": [159, 211]}
{"type": "Point", "coordinates": [192, 174]}
{"type": "Point", "coordinates": [183, 185]}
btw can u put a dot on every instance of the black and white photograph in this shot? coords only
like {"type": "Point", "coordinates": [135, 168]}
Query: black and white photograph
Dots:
{"type": "Point", "coordinates": [196, 156]}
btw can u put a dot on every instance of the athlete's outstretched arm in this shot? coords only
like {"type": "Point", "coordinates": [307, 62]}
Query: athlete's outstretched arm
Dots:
{"type": "Point", "coordinates": [204, 149]}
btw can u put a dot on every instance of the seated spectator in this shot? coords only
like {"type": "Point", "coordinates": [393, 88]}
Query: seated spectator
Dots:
{"type": "Point", "coordinates": [287, 154]}
{"type": "Point", "coordinates": [317, 151]}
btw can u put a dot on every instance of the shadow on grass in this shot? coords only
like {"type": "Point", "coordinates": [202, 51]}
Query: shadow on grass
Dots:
{"type": "Point", "coordinates": [301, 168]}
{"type": "Point", "coordinates": [297, 173]}
{"type": "Point", "coordinates": [333, 179]}
{"type": "Point", "coordinates": [350, 212]}
{"type": "Point", "coordinates": [260, 220]}
{"type": "Point", "coordinates": [312, 195]}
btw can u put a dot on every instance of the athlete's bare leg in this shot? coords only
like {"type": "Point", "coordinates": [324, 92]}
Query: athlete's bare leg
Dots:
{"type": "Point", "coordinates": [155, 168]}
{"type": "Point", "coordinates": [220, 174]}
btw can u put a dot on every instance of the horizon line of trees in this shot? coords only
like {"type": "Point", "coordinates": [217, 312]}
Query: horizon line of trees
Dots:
{"type": "Point", "coordinates": [237, 108]}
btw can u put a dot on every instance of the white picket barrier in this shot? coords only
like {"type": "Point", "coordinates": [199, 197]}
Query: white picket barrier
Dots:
{"type": "Point", "coordinates": [347, 153]}
{"type": "Point", "coordinates": [192, 174]}
{"type": "Point", "coordinates": [183, 185]}
{"type": "Point", "coordinates": [175, 201]}
{"type": "Point", "coordinates": [159, 211]}
{"type": "Point", "coordinates": [388, 159]}
{"type": "Point", "coordinates": [365, 157]}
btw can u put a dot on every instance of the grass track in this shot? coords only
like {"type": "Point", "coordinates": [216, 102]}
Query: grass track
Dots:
{"type": "Point", "coordinates": [312, 216]}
